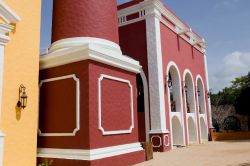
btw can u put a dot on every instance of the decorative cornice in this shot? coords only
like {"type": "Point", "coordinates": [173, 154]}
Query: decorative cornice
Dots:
{"type": "Point", "coordinates": [9, 17]}
{"type": "Point", "coordinates": [4, 39]}
{"type": "Point", "coordinates": [155, 7]}
{"type": "Point", "coordinates": [159, 131]}
{"type": "Point", "coordinates": [99, 50]}
{"type": "Point", "coordinates": [7, 14]}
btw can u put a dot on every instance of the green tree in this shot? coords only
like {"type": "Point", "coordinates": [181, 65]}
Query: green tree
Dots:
{"type": "Point", "coordinates": [229, 95]}
{"type": "Point", "coordinates": [238, 94]}
{"type": "Point", "coordinates": [242, 103]}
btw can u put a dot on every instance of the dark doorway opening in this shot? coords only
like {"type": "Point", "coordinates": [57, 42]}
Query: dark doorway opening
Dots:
{"type": "Point", "coordinates": [140, 109]}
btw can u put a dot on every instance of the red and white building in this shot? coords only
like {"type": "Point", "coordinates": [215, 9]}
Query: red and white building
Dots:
{"type": "Point", "coordinates": [107, 85]}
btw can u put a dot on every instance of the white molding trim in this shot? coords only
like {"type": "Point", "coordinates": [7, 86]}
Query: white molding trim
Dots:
{"type": "Point", "coordinates": [8, 14]}
{"type": "Point", "coordinates": [156, 136]}
{"type": "Point", "coordinates": [159, 131]}
{"type": "Point", "coordinates": [103, 76]}
{"type": "Point", "coordinates": [93, 154]}
{"type": "Point", "coordinates": [149, 5]}
{"type": "Point", "coordinates": [166, 136]}
{"type": "Point", "coordinates": [72, 76]}
{"type": "Point", "coordinates": [77, 49]}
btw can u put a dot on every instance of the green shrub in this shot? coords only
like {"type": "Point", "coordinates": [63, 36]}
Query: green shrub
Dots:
{"type": "Point", "coordinates": [46, 163]}
{"type": "Point", "coordinates": [232, 123]}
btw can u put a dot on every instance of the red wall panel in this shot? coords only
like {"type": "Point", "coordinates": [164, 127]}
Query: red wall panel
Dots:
{"type": "Point", "coordinates": [115, 105]}
{"type": "Point", "coordinates": [97, 139]}
{"type": "Point", "coordinates": [133, 42]}
{"type": "Point", "coordinates": [58, 98]}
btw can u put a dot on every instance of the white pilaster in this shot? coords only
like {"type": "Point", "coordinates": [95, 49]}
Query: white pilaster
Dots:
{"type": "Point", "coordinates": [156, 84]}
{"type": "Point", "coordinates": [3, 41]}
{"type": "Point", "coordinates": [209, 101]}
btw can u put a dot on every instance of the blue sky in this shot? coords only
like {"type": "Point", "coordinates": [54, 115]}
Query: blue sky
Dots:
{"type": "Point", "coordinates": [225, 25]}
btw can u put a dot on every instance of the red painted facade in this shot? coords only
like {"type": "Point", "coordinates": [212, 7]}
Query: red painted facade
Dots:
{"type": "Point", "coordinates": [89, 136]}
{"type": "Point", "coordinates": [85, 18]}
{"type": "Point", "coordinates": [112, 100]}
{"type": "Point", "coordinates": [176, 49]}
{"type": "Point", "coordinates": [133, 41]}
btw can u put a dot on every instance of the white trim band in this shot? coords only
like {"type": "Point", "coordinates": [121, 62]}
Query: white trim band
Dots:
{"type": "Point", "coordinates": [94, 154]}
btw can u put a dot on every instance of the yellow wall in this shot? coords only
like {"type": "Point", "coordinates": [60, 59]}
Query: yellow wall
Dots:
{"type": "Point", "coordinates": [21, 66]}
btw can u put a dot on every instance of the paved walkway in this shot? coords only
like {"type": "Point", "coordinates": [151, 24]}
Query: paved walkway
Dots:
{"type": "Point", "coordinates": [231, 153]}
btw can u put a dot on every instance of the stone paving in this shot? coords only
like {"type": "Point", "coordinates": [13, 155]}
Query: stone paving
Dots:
{"type": "Point", "coordinates": [227, 153]}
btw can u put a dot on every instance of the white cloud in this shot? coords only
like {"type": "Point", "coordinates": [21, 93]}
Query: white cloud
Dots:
{"type": "Point", "coordinates": [234, 65]}
{"type": "Point", "coordinates": [226, 3]}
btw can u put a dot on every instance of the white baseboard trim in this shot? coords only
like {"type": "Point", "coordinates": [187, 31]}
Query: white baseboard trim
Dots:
{"type": "Point", "coordinates": [93, 154]}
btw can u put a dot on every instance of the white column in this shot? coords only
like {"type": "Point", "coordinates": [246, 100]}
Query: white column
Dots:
{"type": "Point", "coordinates": [1, 89]}
{"type": "Point", "coordinates": [155, 71]}
{"type": "Point", "coordinates": [4, 28]}
{"type": "Point", "coordinates": [209, 102]}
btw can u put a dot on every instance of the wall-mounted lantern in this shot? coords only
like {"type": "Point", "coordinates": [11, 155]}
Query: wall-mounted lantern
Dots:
{"type": "Point", "coordinates": [186, 91]}
{"type": "Point", "coordinates": [170, 83]}
{"type": "Point", "coordinates": [22, 101]}
{"type": "Point", "coordinates": [198, 92]}
{"type": "Point", "coordinates": [186, 88]}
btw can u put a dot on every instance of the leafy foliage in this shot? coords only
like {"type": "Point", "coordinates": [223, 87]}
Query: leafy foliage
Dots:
{"type": "Point", "coordinates": [231, 95]}
{"type": "Point", "coordinates": [46, 163]}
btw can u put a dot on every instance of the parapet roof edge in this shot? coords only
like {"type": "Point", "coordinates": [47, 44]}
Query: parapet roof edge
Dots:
{"type": "Point", "coordinates": [165, 11]}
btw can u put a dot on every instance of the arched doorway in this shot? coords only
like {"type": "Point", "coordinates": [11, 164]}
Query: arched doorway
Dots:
{"type": "Point", "coordinates": [175, 105]}
{"type": "Point", "coordinates": [177, 133]}
{"type": "Point", "coordinates": [189, 94]}
{"type": "Point", "coordinates": [201, 101]}
{"type": "Point", "coordinates": [201, 97]}
{"type": "Point", "coordinates": [192, 130]}
{"type": "Point", "coordinates": [190, 107]}
{"type": "Point", "coordinates": [140, 109]}
{"type": "Point", "coordinates": [203, 126]}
